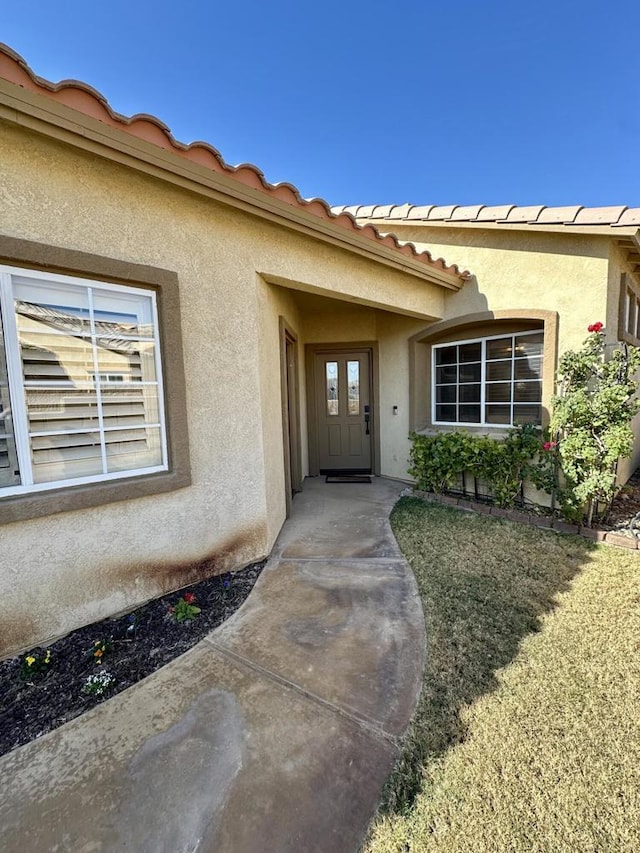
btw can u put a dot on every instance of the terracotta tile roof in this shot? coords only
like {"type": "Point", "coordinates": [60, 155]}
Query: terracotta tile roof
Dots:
{"type": "Point", "coordinates": [85, 99]}
{"type": "Point", "coordinates": [616, 216]}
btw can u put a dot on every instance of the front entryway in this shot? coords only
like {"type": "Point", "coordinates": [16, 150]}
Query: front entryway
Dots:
{"type": "Point", "coordinates": [341, 417]}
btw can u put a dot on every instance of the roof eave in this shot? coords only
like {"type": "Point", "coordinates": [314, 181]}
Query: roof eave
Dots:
{"type": "Point", "coordinates": [602, 230]}
{"type": "Point", "coordinates": [33, 107]}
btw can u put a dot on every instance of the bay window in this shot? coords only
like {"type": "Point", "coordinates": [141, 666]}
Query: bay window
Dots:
{"type": "Point", "coordinates": [81, 394]}
{"type": "Point", "coordinates": [493, 381]}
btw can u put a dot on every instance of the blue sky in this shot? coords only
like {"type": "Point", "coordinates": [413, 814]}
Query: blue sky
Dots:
{"type": "Point", "coordinates": [443, 102]}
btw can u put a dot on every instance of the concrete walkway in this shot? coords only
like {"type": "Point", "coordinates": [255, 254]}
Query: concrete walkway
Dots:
{"type": "Point", "coordinates": [275, 733]}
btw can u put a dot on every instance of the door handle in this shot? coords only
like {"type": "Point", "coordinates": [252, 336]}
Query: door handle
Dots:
{"type": "Point", "coordinates": [367, 418]}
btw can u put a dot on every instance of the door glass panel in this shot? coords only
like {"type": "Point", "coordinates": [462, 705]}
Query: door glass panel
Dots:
{"type": "Point", "coordinates": [331, 374]}
{"type": "Point", "coordinates": [353, 377]}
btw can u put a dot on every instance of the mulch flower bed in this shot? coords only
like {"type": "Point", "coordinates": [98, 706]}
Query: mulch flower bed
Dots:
{"type": "Point", "coordinates": [47, 687]}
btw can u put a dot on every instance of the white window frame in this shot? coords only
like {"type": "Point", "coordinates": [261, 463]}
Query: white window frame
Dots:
{"type": "Point", "coordinates": [483, 380]}
{"type": "Point", "coordinates": [17, 383]}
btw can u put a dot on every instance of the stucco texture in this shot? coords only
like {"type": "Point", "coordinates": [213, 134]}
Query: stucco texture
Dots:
{"type": "Point", "coordinates": [71, 568]}
{"type": "Point", "coordinates": [518, 270]}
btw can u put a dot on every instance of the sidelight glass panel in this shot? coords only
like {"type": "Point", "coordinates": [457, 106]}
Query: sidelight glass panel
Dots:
{"type": "Point", "coordinates": [353, 378]}
{"type": "Point", "coordinates": [331, 375]}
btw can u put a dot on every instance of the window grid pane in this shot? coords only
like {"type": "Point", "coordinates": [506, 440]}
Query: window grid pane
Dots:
{"type": "Point", "coordinates": [502, 375]}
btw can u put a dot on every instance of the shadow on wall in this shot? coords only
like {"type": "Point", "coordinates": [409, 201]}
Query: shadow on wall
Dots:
{"type": "Point", "coordinates": [470, 297]}
{"type": "Point", "coordinates": [484, 586]}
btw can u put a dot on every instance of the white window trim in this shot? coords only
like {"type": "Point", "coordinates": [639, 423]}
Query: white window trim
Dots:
{"type": "Point", "coordinates": [17, 383]}
{"type": "Point", "coordinates": [483, 383]}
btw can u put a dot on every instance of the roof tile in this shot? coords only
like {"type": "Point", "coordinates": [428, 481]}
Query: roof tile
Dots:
{"type": "Point", "coordinates": [630, 217]}
{"type": "Point", "coordinates": [615, 215]}
{"type": "Point", "coordinates": [497, 211]}
{"type": "Point", "coordinates": [87, 101]}
{"type": "Point", "coordinates": [420, 211]}
{"type": "Point", "coordinates": [381, 210]}
{"type": "Point", "coordinates": [442, 212]}
{"type": "Point", "coordinates": [524, 214]}
{"type": "Point", "coordinates": [599, 215]}
{"type": "Point", "coordinates": [558, 215]}
{"type": "Point", "coordinates": [471, 211]}
{"type": "Point", "coordinates": [400, 211]}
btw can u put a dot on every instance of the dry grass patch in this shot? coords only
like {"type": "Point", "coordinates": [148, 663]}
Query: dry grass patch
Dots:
{"type": "Point", "coordinates": [527, 737]}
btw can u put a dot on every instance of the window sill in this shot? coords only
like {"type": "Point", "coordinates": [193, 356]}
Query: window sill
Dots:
{"type": "Point", "coordinates": [38, 504]}
{"type": "Point", "coordinates": [489, 432]}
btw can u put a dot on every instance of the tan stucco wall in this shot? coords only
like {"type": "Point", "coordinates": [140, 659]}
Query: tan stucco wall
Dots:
{"type": "Point", "coordinates": [71, 568]}
{"type": "Point", "coordinates": [520, 270]}
{"type": "Point", "coordinates": [516, 271]}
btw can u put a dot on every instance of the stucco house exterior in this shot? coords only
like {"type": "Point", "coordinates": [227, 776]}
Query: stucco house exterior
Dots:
{"type": "Point", "coordinates": [551, 269]}
{"type": "Point", "coordinates": [181, 343]}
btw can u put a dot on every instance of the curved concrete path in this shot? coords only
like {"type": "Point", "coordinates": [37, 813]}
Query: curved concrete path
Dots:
{"type": "Point", "coordinates": [275, 733]}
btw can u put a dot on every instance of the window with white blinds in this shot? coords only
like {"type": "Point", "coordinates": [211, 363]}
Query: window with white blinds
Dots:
{"type": "Point", "coordinates": [81, 395]}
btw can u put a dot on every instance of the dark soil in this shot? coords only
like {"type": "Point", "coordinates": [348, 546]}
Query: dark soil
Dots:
{"type": "Point", "coordinates": [622, 515]}
{"type": "Point", "coordinates": [138, 643]}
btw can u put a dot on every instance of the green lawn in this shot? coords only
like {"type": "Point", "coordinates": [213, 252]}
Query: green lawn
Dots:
{"type": "Point", "coordinates": [527, 736]}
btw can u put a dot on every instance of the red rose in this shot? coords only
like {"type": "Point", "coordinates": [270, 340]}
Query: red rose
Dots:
{"type": "Point", "coordinates": [548, 445]}
{"type": "Point", "coordinates": [189, 597]}
{"type": "Point", "coordinates": [595, 327]}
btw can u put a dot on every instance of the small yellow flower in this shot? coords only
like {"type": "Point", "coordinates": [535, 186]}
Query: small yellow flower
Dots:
{"type": "Point", "coordinates": [47, 657]}
{"type": "Point", "coordinates": [98, 653]}
{"type": "Point", "coordinates": [30, 660]}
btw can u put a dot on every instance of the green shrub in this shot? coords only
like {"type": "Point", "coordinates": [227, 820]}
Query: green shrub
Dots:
{"type": "Point", "coordinates": [438, 461]}
{"type": "Point", "coordinates": [592, 419]}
